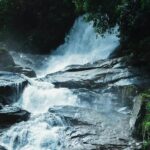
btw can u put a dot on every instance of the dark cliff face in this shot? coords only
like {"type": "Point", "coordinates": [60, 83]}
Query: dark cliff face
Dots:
{"type": "Point", "coordinates": [38, 26]}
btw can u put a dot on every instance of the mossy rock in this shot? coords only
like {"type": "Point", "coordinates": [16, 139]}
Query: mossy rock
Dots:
{"type": "Point", "coordinates": [144, 126]}
{"type": "Point", "coordinates": [146, 145]}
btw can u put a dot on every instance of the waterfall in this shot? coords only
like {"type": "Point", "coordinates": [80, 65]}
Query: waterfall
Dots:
{"type": "Point", "coordinates": [81, 46]}
{"type": "Point", "coordinates": [39, 99]}
{"type": "Point", "coordinates": [50, 131]}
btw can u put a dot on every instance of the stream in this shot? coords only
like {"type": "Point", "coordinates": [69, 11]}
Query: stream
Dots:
{"type": "Point", "coordinates": [80, 100]}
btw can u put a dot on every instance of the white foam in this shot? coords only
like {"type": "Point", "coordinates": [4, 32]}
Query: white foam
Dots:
{"type": "Point", "coordinates": [39, 99]}
{"type": "Point", "coordinates": [81, 46]}
{"type": "Point", "coordinates": [36, 134]}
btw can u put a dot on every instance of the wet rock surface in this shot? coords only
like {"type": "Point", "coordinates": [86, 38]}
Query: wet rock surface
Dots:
{"type": "Point", "coordinates": [11, 82]}
{"type": "Point", "coordinates": [2, 148]}
{"type": "Point", "coordinates": [137, 114]}
{"type": "Point", "coordinates": [106, 90]}
{"type": "Point", "coordinates": [7, 64]}
{"type": "Point", "coordinates": [30, 61]}
{"type": "Point", "coordinates": [11, 87]}
{"type": "Point", "coordinates": [100, 117]}
{"type": "Point", "coordinates": [97, 75]}
{"type": "Point", "coordinates": [93, 129]}
{"type": "Point", "coordinates": [10, 115]}
{"type": "Point", "coordinates": [20, 70]}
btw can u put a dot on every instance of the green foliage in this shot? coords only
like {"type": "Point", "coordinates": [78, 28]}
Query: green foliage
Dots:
{"type": "Point", "coordinates": [102, 12]}
{"type": "Point", "coordinates": [45, 23]}
{"type": "Point", "coordinates": [145, 5]}
{"type": "Point", "coordinates": [132, 16]}
{"type": "Point", "coordinates": [145, 125]}
{"type": "Point", "coordinates": [146, 145]}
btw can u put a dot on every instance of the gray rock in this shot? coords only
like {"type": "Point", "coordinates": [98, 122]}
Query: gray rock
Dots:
{"type": "Point", "coordinates": [10, 115]}
{"type": "Point", "coordinates": [2, 148]}
{"type": "Point", "coordinates": [92, 129]}
{"type": "Point", "coordinates": [96, 75]}
{"type": "Point", "coordinates": [7, 64]}
{"type": "Point", "coordinates": [11, 87]}
{"type": "Point", "coordinates": [137, 116]}
{"type": "Point", "coordinates": [20, 70]}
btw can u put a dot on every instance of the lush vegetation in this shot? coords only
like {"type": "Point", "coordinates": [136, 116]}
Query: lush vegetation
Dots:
{"type": "Point", "coordinates": [145, 125]}
{"type": "Point", "coordinates": [41, 25]}
{"type": "Point", "coordinates": [44, 23]}
{"type": "Point", "coordinates": [142, 126]}
{"type": "Point", "coordinates": [133, 18]}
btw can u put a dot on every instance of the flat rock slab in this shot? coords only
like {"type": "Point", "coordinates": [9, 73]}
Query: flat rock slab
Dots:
{"type": "Point", "coordinates": [11, 87]}
{"type": "Point", "coordinates": [20, 70]}
{"type": "Point", "coordinates": [97, 75]}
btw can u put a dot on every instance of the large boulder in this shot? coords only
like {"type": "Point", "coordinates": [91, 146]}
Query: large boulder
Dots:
{"type": "Point", "coordinates": [140, 120]}
{"type": "Point", "coordinates": [91, 129]}
{"type": "Point", "coordinates": [7, 64]}
{"type": "Point", "coordinates": [98, 74]}
{"type": "Point", "coordinates": [2, 148]}
{"type": "Point", "coordinates": [11, 87]}
{"type": "Point", "coordinates": [21, 70]}
{"type": "Point", "coordinates": [10, 115]}
{"type": "Point", "coordinates": [137, 115]}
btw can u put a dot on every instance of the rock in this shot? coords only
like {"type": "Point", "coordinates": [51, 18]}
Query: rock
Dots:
{"type": "Point", "coordinates": [10, 115]}
{"type": "Point", "coordinates": [2, 148]}
{"type": "Point", "coordinates": [90, 129]}
{"type": "Point", "coordinates": [136, 113]}
{"type": "Point", "coordinates": [11, 87]}
{"type": "Point", "coordinates": [7, 64]}
{"type": "Point", "coordinates": [140, 120]}
{"type": "Point", "coordinates": [96, 75]}
{"type": "Point", "coordinates": [18, 69]}
{"type": "Point", "coordinates": [137, 116]}
{"type": "Point", "coordinates": [76, 115]}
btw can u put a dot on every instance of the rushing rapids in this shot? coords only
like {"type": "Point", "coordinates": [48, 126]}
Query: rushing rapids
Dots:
{"type": "Point", "coordinates": [82, 100]}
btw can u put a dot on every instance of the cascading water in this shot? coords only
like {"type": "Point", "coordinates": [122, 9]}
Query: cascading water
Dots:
{"type": "Point", "coordinates": [81, 46]}
{"type": "Point", "coordinates": [54, 131]}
